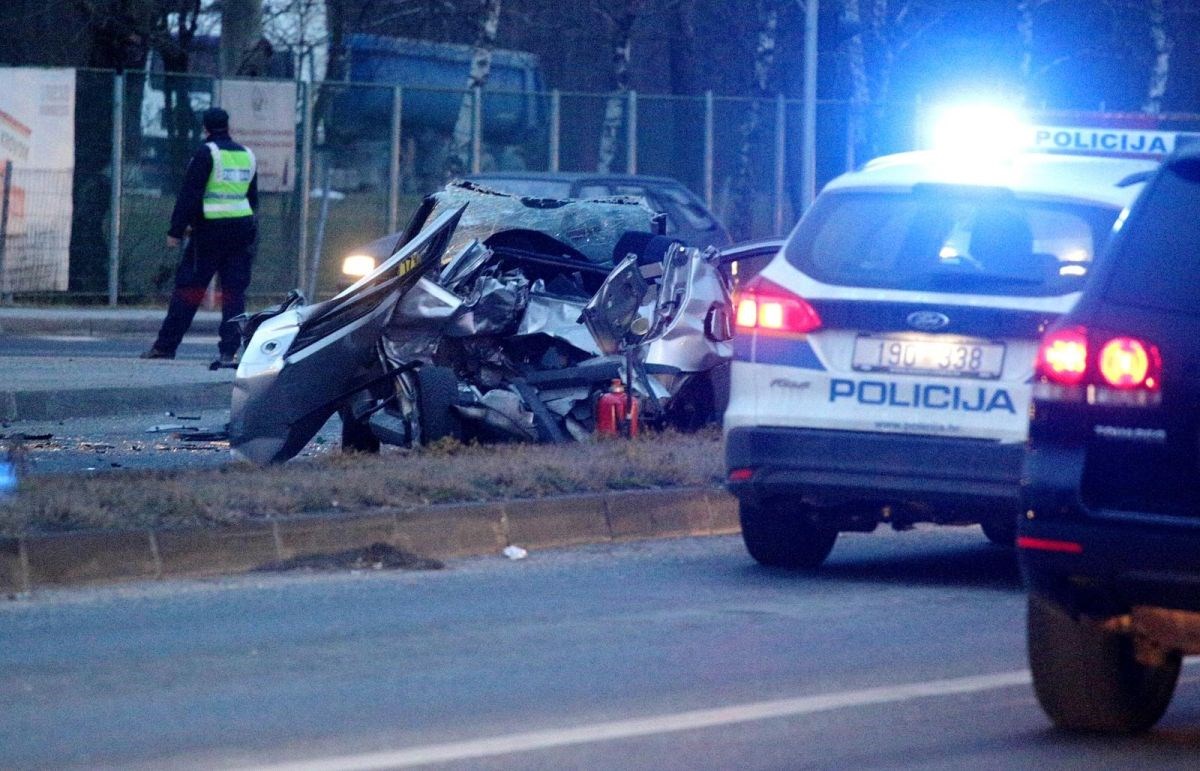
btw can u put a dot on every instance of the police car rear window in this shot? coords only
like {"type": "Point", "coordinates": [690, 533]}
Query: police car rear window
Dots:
{"type": "Point", "coordinates": [952, 240]}
{"type": "Point", "coordinates": [1156, 265]}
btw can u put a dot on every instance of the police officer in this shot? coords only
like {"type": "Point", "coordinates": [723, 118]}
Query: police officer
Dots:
{"type": "Point", "coordinates": [215, 213]}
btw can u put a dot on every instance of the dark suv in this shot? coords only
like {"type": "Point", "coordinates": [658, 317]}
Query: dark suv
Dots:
{"type": "Point", "coordinates": [1110, 540]}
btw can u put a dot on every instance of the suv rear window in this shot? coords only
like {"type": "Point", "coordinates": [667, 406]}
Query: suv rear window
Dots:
{"type": "Point", "coordinates": [1158, 265]}
{"type": "Point", "coordinates": [949, 239]}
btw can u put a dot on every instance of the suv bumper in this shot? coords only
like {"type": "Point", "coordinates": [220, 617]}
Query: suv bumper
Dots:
{"type": "Point", "coordinates": [1121, 559]}
{"type": "Point", "coordinates": [1117, 558]}
{"type": "Point", "coordinates": [829, 467]}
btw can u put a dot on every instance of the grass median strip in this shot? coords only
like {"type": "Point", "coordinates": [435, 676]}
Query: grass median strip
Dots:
{"type": "Point", "coordinates": [445, 473]}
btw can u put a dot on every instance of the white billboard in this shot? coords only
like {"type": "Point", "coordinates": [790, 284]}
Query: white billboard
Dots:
{"type": "Point", "coordinates": [37, 135]}
{"type": "Point", "coordinates": [262, 116]}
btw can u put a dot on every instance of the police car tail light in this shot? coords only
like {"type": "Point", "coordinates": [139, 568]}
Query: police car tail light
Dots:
{"type": "Point", "coordinates": [1062, 358]}
{"type": "Point", "coordinates": [766, 306]}
{"type": "Point", "coordinates": [1128, 363]}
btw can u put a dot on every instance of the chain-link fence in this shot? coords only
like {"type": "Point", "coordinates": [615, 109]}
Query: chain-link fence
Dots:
{"type": "Point", "coordinates": [356, 160]}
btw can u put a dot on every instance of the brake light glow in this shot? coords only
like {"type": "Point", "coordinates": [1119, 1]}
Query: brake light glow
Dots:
{"type": "Point", "coordinates": [1062, 358]}
{"type": "Point", "coordinates": [765, 306]}
{"type": "Point", "coordinates": [741, 475]}
{"type": "Point", "coordinates": [1127, 363]}
{"type": "Point", "coordinates": [1049, 544]}
{"type": "Point", "coordinates": [1112, 370]}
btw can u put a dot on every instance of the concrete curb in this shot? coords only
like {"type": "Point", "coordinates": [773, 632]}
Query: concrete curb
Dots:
{"type": "Point", "coordinates": [98, 402]}
{"type": "Point", "coordinates": [437, 531]}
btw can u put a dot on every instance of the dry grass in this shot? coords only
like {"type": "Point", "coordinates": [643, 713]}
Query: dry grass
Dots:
{"type": "Point", "coordinates": [444, 473]}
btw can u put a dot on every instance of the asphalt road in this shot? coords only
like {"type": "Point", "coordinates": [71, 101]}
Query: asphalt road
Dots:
{"type": "Point", "coordinates": [198, 347]}
{"type": "Point", "coordinates": [905, 651]}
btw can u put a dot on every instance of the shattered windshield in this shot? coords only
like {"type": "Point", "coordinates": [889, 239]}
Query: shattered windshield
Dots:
{"type": "Point", "coordinates": [592, 227]}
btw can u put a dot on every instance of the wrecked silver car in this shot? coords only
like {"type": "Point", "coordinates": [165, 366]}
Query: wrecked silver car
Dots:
{"type": "Point", "coordinates": [495, 318]}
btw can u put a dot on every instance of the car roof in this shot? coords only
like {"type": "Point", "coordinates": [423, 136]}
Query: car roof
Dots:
{"type": "Point", "coordinates": [574, 176]}
{"type": "Point", "coordinates": [1087, 178]}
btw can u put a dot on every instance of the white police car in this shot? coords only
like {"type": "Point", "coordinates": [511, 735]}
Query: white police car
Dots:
{"type": "Point", "coordinates": [883, 359]}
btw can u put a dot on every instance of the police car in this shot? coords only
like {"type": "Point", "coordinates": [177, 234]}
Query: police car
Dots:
{"type": "Point", "coordinates": [884, 358]}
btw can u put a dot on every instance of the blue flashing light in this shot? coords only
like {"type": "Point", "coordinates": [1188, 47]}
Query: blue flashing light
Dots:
{"type": "Point", "coordinates": [980, 132]}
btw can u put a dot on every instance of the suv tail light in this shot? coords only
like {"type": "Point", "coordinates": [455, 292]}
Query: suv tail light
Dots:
{"type": "Point", "coordinates": [1126, 362]}
{"type": "Point", "coordinates": [1074, 364]}
{"type": "Point", "coordinates": [1062, 357]}
{"type": "Point", "coordinates": [765, 306]}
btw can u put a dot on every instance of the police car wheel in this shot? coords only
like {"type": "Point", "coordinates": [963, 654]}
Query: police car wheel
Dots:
{"type": "Point", "coordinates": [779, 534]}
{"type": "Point", "coordinates": [1088, 679]}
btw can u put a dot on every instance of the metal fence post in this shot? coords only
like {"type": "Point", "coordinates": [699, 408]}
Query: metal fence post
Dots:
{"type": "Point", "coordinates": [780, 163]}
{"type": "Point", "coordinates": [555, 129]}
{"type": "Point", "coordinates": [477, 131]}
{"type": "Point", "coordinates": [709, 147]}
{"type": "Point", "coordinates": [5, 290]}
{"type": "Point", "coordinates": [114, 205]}
{"type": "Point", "coordinates": [314, 266]}
{"type": "Point", "coordinates": [808, 168]}
{"type": "Point", "coordinates": [631, 139]}
{"type": "Point", "coordinates": [306, 151]}
{"type": "Point", "coordinates": [394, 169]}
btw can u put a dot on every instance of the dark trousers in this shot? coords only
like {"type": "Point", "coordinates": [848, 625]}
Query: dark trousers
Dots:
{"type": "Point", "coordinates": [224, 248]}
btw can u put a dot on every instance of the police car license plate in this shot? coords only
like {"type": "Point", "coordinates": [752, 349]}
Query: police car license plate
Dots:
{"type": "Point", "coordinates": [876, 353]}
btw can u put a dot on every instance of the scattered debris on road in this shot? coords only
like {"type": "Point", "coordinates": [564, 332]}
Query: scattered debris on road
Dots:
{"type": "Point", "coordinates": [515, 552]}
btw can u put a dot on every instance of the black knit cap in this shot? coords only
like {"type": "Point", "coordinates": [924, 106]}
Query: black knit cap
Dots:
{"type": "Point", "coordinates": [215, 119]}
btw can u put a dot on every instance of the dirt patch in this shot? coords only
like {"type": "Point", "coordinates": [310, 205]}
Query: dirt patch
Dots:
{"type": "Point", "coordinates": [445, 473]}
{"type": "Point", "coordinates": [377, 556]}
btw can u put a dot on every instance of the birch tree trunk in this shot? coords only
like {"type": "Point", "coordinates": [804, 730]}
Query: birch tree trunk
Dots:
{"type": "Point", "coordinates": [481, 67]}
{"type": "Point", "coordinates": [241, 28]}
{"type": "Point", "coordinates": [1025, 10]}
{"type": "Point", "coordinates": [741, 205]}
{"type": "Point", "coordinates": [860, 92]}
{"type": "Point", "coordinates": [1161, 71]}
{"type": "Point", "coordinates": [614, 107]}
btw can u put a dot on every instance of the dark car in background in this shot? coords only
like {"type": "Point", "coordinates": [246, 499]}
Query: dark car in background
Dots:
{"type": "Point", "coordinates": [687, 218]}
{"type": "Point", "coordinates": [1110, 540]}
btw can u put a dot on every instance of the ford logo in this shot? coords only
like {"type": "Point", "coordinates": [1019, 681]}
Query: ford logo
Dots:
{"type": "Point", "coordinates": [928, 321]}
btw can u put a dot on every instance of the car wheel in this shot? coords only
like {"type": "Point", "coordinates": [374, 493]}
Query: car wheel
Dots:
{"type": "Point", "coordinates": [694, 406]}
{"type": "Point", "coordinates": [782, 535]}
{"type": "Point", "coordinates": [1001, 531]}
{"type": "Point", "coordinates": [356, 434]}
{"type": "Point", "coordinates": [1088, 679]}
{"type": "Point", "coordinates": [427, 396]}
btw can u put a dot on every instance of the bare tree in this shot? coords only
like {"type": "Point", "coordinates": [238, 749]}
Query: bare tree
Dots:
{"type": "Point", "coordinates": [620, 20]}
{"type": "Point", "coordinates": [856, 75]}
{"type": "Point", "coordinates": [741, 203]}
{"type": "Point", "coordinates": [241, 30]}
{"type": "Point", "coordinates": [481, 68]}
{"type": "Point", "coordinates": [876, 33]}
{"type": "Point", "coordinates": [1161, 70]}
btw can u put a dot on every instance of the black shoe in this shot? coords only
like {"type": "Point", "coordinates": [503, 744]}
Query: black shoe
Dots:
{"type": "Point", "coordinates": [224, 361]}
{"type": "Point", "coordinates": [156, 353]}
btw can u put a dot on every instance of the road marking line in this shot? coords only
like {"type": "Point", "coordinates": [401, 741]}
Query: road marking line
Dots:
{"type": "Point", "coordinates": [658, 724]}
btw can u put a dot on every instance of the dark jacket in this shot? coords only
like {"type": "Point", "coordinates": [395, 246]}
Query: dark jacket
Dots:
{"type": "Point", "coordinates": [189, 205]}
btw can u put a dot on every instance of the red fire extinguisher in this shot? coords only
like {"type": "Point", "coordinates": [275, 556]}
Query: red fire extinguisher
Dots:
{"type": "Point", "coordinates": [617, 412]}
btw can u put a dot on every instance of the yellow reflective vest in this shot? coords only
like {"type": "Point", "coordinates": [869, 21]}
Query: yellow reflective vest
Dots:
{"type": "Point", "coordinates": [225, 195]}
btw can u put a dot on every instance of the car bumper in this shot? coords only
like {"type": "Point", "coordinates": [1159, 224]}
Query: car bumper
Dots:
{"type": "Point", "coordinates": [1098, 557]}
{"type": "Point", "coordinates": [887, 469]}
{"type": "Point", "coordinates": [1114, 558]}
